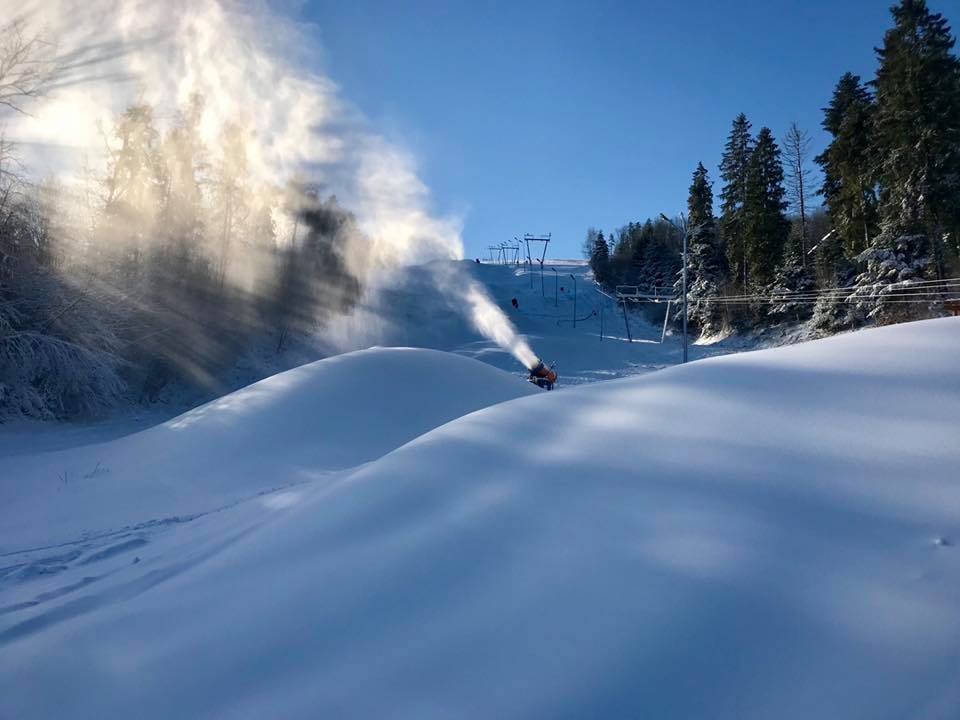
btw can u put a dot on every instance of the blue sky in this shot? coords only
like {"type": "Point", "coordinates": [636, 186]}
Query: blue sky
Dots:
{"type": "Point", "coordinates": [552, 116]}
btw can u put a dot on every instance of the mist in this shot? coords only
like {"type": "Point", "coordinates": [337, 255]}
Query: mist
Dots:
{"type": "Point", "coordinates": [210, 186]}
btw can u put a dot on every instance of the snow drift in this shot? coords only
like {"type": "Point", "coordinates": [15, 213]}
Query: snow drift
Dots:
{"type": "Point", "coordinates": [293, 427]}
{"type": "Point", "coordinates": [770, 534]}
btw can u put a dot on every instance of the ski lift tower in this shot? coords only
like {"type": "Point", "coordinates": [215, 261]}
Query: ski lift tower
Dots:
{"type": "Point", "coordinates": [511, 253]}
{"type": "Point", "coordinates": [545, 239]}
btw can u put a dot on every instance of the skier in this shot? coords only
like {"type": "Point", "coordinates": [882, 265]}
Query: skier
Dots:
{"type": "Point", "coordinates": [516, 305]}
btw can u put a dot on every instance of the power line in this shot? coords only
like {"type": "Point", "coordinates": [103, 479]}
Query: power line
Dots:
{"type": "Point", "coordinates": [921, 287]}
{"type": "Point", "coordinates": [920, 291]}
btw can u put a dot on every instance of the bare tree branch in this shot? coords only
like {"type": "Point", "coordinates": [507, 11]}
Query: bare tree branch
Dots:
{"type": "Point", "coordinates": [796, 152]}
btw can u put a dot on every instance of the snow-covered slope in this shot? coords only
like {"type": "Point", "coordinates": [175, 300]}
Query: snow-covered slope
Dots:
{"type": "Point", "coordinates": [413, 313]}
{"type": "Point", "coordinates": [772, 534]}
{"type": "Point", "coordinates": [293, 427]}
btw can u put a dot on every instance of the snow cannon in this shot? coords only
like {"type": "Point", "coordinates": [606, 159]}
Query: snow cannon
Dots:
{"type": "Point", "coordinates": [542, 376]}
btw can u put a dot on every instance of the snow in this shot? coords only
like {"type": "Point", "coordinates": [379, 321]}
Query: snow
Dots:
{"type": "Point", "coordinates": [410, 533]}
{"type": "Point", "coordinates": [412, 313]}
{"type": "Point", "coordinates": [290, 428]}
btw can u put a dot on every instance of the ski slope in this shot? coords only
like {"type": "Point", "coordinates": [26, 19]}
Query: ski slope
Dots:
{"type": "Point", "coordinates": [294, 427]}
{"type": "Point", "coordinates": [409, 533]}
{"type": "Point", "coordinates": [411, 312]}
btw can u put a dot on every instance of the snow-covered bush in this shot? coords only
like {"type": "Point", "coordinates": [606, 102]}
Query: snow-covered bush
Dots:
{"type": "Point", "coordinates": [57, 358]}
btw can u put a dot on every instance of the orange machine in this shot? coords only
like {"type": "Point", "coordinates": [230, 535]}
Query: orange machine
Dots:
{"type": "Point", "coordinates": [542, 376]}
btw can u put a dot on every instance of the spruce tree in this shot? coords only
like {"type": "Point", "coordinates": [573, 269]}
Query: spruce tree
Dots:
{"type": "Point", "coordinates": [765, 226]}
{"type": "Point", "coordinates": [733, 170]}
{"type": "Point", "coordinates": [793, 284]}
{"type": "Point", "coordinates": [918, 114]}
{"type": "Point", "coordinates": [848, 185]}
{"type": "Point", "coordinates": [640, 256]}
{"type": "Point", "coordinates": [706, 263]}
{"type": "Point", "coordinates": [600, 259]}
{"type": "Point", "coordinates": [917, 145]}
{"type": "Point", "coordinates": [917, 131]}
{"type": "Point", "coordinates": [832, 313]}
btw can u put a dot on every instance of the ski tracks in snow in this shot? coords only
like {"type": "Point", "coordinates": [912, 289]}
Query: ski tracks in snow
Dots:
{"type": "Point", "coordinates": [43, 586]}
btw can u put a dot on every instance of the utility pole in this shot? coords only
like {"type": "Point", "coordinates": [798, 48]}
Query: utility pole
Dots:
{"type": "Point", "coordinates": [556, 287]}
{"type": "Point", "coordinates": [684, 256]}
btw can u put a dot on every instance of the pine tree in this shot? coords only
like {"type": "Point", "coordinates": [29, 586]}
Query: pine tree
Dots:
{"type": "Point", "coordinates": [848, 185]}
{"type": "Point", "coordinates": [706, 264]}
{"type": "Point", "coordinates": [917, 131]}
{"type": "Point", "coordinates": [733, 170]}
{"type": "Point", "coordinates": [765, 226]}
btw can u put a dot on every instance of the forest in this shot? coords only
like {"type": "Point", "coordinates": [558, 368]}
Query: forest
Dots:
{"type": "Point", "coordinates": [159, 268]}
{"type": "Point", "coordinates": [865, 232]}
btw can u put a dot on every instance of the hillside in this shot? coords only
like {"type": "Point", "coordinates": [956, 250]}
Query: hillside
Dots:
{"type": "Point", "coordinates": [770, 534]}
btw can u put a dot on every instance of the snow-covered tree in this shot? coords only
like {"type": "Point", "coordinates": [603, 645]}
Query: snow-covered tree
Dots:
{"type": "Point", "coordinates": [847, 163]}
{"type": "Point", "coordinates": [793, 284]}
{"type": "Point", "coordinates": [733, 171]}
{"type": "Point", "coordinates": [917, 144]}
{"type": "Point", "coordinates": [917, 135]}
{"type": "Point", "coordinates": [888, 290]}
{"type": "Point", "coordinates": [706, 266]}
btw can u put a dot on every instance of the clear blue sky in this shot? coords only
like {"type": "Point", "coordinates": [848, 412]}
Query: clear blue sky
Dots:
{"type": "Point", "coordinates": [553, 116]}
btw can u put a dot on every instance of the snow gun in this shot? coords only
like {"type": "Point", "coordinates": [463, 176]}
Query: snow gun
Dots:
{"type": "Point", "coordinates": [542, 376]}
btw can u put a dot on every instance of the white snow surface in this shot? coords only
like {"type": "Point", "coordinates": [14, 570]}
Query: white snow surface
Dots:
{"type": "Point", "coordinates": [398, 533]}
{"type": "Point", "coordinates": [291, 428]}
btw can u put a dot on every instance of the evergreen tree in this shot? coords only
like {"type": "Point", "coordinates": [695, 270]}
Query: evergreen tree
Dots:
{"type": "Point", "coordinates": [619, 255]}
{"type": "Point", "coordinates": [765, 226]}
{"type": "Point", "coordinates": [848, 187]}
{"type": "Point", "coordinates": [835, 271]}
{"type": "Point", "coordinates": [733, 170]}
{"type": "Point", "coordinates": [639, 254]}
{"type": "Point", "coordinates": [661, 255]}
{"type": "Point", "coordinates": [790, 280]}
{"type": "Point", "coordinates": [917, 132]}
{"type": "Point", "coordinates": [917, 146]}
{"type": "Point", "coordinates": [706, 263]}
{"type": "Point", "coordinates": [600, 259]}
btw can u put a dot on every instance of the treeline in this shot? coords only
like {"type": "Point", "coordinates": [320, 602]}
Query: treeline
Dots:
{"type": "Point", "coordinates": [159, 270]}
{"type": "Point", "coordinates": [889, 222]}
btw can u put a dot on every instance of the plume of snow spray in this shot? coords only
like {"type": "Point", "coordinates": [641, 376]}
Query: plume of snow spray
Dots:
{"type": "Point", "coordinates": [494, 324]}
{"type": "Point", "coordinates": [252, 68]}
{"type": "Point", "coordinates": [488, 319]}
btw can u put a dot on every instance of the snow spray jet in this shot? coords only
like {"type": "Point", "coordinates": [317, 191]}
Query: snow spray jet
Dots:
{"type": "Point", "coordinates": [254, 73]}
{"type": "Point", "coordinates": [492, 323]}
{"type": "Point", "coordinates": [471, 298]}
